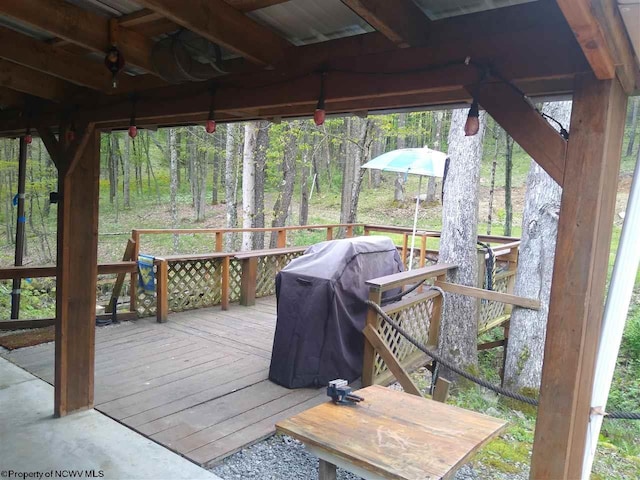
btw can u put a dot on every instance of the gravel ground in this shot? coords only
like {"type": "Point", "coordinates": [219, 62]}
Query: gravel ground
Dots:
{"type": "Point", "coordinates": [282, 457]}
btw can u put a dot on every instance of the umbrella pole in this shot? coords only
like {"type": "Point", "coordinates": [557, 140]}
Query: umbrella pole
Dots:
{"type": "Point", "coordinates": [415, 224]}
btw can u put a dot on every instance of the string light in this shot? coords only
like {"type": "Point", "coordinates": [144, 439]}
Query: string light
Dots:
{"type": "Point", "coordinates": [472, 125]}
{"type": "Point", "coordinates": [210, 126]}
{"type": "Point", "coordinates": [133, 130]}
{"type": "Point", "coordinates": [320, 113]}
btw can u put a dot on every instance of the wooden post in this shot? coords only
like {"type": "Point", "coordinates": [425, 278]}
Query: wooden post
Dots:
{"type": "Point", "coordinates": [580, 270]}
{"type": "Point", "coordinates": [20, 224]}
{"type": "Point", "coordinates": [375, 295]}
{"type": "Point", "coordinates": [436, 316]}
{"type": "Point", "coordinates": [329, 233]}
{"type": "Point", "coordinates": [326, 470]}
{"type": "Point", "coordinates": [77, 268]}
{"type": "Point", "coordinates": [349, 231]}
{"type": "Point", "coordinates": [117, 288]}
{"type": "Point", "coordinates": [423, 251]}
{"type": "Point", "coordinates": [224, 301]}
{"type": "Point", "coordinates": [248, 281]}
{"type": "Point", "coordinates": [282, 238]}
{"type": "Point", "coordinates": [405, 245]}
{"type": "Point", "coordinates": [133, 281]}
{"type": "Point", "coordinates": [219, 240]}
{"type": "Point", "coordinates": [162, 290]}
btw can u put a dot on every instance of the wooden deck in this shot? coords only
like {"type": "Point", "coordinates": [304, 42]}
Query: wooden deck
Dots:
{"type": "Point", "coordinates": [196, 384]}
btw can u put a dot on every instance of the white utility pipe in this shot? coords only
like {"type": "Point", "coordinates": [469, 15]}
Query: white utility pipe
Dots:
{"type": "Point", "coordinates": [415, 223]}
{"type": "Point", "coordinates": [615, 315]}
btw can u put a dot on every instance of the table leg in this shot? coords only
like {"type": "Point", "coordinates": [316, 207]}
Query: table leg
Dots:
{"type": "Point", "coordinates": [326, 470]}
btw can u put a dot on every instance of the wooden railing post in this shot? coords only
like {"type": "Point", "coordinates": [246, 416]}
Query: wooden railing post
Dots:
{"type": "Point", "coordinates": [367, 232]}
{"type": "Point", "coordinates": [405, 244]}
{"type": "Point", "coordinates": [349, 231]}
{"type": "Point", "coordinates": [162, 290]}
{"type": "Point", "coordinates": [248, 280]}
{"type": "Point", "coordinates": [329, 233]}
{"type": "Point", "coordinates": [436, 316]}
{"type": "Point", "coordinates": [224, 300]}
{"type": "Point", "coordinates": [133, 281]}
{"type": "Point", "coordinates": [423, 251]}
{"type": "Point", "coordinates": [368, 365]}
{"type": "Point", "coordinates": [282, 238]}
{"type": "Point", "coordinates": [219, 240]}
{"type": "Point", "coordinates": [513, 266]}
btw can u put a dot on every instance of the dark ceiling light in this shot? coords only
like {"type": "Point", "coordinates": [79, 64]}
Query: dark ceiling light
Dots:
{"type": "Point", "coordinates": [472, 126]}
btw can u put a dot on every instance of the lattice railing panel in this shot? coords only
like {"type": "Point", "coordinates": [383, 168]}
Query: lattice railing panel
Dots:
{"type": "Point", "coordinates": [235, 279]}
{"type": "Point", "coordinates": [194, 284]}
{"type": "Point", "coordinates": [146, 302]}
{"type": "Point", "coordinates": [489, 309]}
{"type": "Point", "coordinates": [415, 318]}
{"type": "Point", "coordinates": [268, 267]}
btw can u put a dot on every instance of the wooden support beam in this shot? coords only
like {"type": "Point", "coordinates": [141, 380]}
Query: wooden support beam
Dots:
{"type": "Point", "coordinates": [10, 98]}
{"type": "Point", "coordinates": [220, 23]}
{"type": "Point", "coordinates": [79, 26]}
{"type": "Point", "coordinates": [162, 290]}
{"type": "Point", "coordinates": [38, 84]}
{"type": "Point", "coordinates": [76, 282]}
{"type": "Point", "coordinates": [392, 362]}
{"type": "Point", "coordinates": [401, 21]}
{"type": "Point", "coordinates": [579, 275]}
{"type": "Point", "coordinates": [527, 127]}
{"type": "Point", "coordinates": [491, 295]}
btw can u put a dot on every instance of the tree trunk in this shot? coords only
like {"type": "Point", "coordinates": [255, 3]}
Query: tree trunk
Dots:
{"type": "Point", "coordinates": [432, 184]}
{"type": "Point", "coordinates": [459, 327]}
{"type": "Point", "coordinates": [523, 366]}
{"type": "Point", "coordinates": [126, 173]}
{"type": "Point", "coordinates": [229, 185]}
{"type": "Point", "coordinates": [494, 165]}
{"type": "Point", "coordinates": [248, 183]}
{"type": "Point", "coordinates": [215, 176]}
{"type": "Point", "coordinates": [634, 125]}
{"type": "Point", "coordinates": [399, 194]}
{"type": "Point", "coordinates": [113, 168]}
{"type": "Point", "coordinates": [262, 145]}
{"type": "Point", "coordinates": [173, 176]}
{"type": "Point", "coordinates": [281, 206]}
{"type": "Point", "coordinates": [508, 207]}
{"type": "Point", "coordinates": [198, 174]}
{"type": "Point", "coordinates": [303, 212]}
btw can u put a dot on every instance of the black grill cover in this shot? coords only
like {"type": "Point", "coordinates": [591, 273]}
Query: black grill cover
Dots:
{"type": "Point", "coordinates": [321, 312]}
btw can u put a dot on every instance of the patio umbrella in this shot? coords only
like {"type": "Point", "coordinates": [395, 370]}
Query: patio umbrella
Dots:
{"type": "Point", "coordinates": [415, 161]}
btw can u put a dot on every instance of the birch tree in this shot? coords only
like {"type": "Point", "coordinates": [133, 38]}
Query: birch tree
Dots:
{"type": "Point", "coordinates": [229, 185]}
{"type": "Point", "coordinates": [262, 145]}
{"type": "Point", "coordinates": [248, 182]}
{"type": "Point", "coordinates": [281, 206]}
{"type": "Point", "coordinates": [459, 328]}
{"type": "Point", "coordinates": [523, 366]}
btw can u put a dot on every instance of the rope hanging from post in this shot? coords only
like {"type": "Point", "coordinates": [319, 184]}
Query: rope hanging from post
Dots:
{"type": "Point", "coordinates": [479, 381]}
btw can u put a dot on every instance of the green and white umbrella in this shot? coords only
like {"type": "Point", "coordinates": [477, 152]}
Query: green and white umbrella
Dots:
{"type": "Point", "coordinates": [424, 162]}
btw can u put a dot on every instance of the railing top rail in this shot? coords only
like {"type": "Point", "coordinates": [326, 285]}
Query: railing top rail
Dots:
{"type": "Point", "coordinates": [399, 279]}
{"type": "Point", "coordinates": [43, 271]}
{"type": "Point", "coordinates": [399, 229]}
{"type": "Point", "coordinates": [192, 256]}
{"type": "Point", "coordinates": [267, 252]}
{"type": "Point", "coordinates": [181, 231]}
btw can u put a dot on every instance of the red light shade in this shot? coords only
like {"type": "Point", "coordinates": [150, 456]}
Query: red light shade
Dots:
{"type": "Point", "coordinates": [319, 116]}
{"type": "Point", "coordinates": [210, 126]}
{"type": "Point", "coordinates": [28, 139]}
{"type": "Point", "coordinates": [71, 135]}
{"type": "Point", "coordinates": [472, 126]}
{"type": "Point", "coordinates": [133, 131]}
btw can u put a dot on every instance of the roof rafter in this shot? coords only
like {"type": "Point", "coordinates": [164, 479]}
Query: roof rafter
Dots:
{"type": "Point", "coordinates": [80, 27]}
{"type": "Point", "coordinates": [401, 21]}
{"type": "Point", "coordinates": [26, 80]}
{"type": "Point", "coordinates": [10, 98]}
{"type": "Point", "coordinates": [218, 22]}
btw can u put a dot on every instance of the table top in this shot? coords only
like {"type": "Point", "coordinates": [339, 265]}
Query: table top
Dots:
{"type": "Point", "coordinates": [395, 435]}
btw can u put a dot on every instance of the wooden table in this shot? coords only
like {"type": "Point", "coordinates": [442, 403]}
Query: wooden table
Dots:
{"type": "Point", "coordinates": [391, 435]}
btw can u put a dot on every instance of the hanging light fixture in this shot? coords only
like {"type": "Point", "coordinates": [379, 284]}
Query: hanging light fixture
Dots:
{"type": "Point", "coordinates": [320, 113]}
{"type": "Point", "coordinates": [27, 137]}
{"type": "Point", "coordinates": [472, 126]}
{"type": "Point", "coordinates": [133, 130]}
{"type": "Point", "coordinates": [210, 126]}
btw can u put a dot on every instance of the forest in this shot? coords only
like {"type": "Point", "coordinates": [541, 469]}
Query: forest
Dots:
{"type": "Point", "coordinates": [292, 172]}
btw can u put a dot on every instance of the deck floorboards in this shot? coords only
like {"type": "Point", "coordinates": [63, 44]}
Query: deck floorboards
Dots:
{"type": "Point", "coordinates": [196, 384]}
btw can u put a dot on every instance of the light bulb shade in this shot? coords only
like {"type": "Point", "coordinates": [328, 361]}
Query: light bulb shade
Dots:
{"type": "Point", "coordinates": [133, 131]}
{"type": "Point", "coordinates": [472, 126]}
{"type": "Point", "coordinates": [28, 139]}
{"type": "Point", "coordinates": [210, 126]}
{"type": "Point", "coordinates": [319, 116]}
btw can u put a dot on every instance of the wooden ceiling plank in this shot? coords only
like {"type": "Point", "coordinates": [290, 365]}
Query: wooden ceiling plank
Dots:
{"type": "Point", "coordinates": [80, 27]}
{"type": "Point", "coordinates": [10, 98]}
{"type": "Point", "coordinates": [590, 36]}
{"type": "Point", "coordinates": [220, 23]}
{"type": "Point", "coordinates": [26, 80]}
{"type": "Point", "coordinates": [401, 21]}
